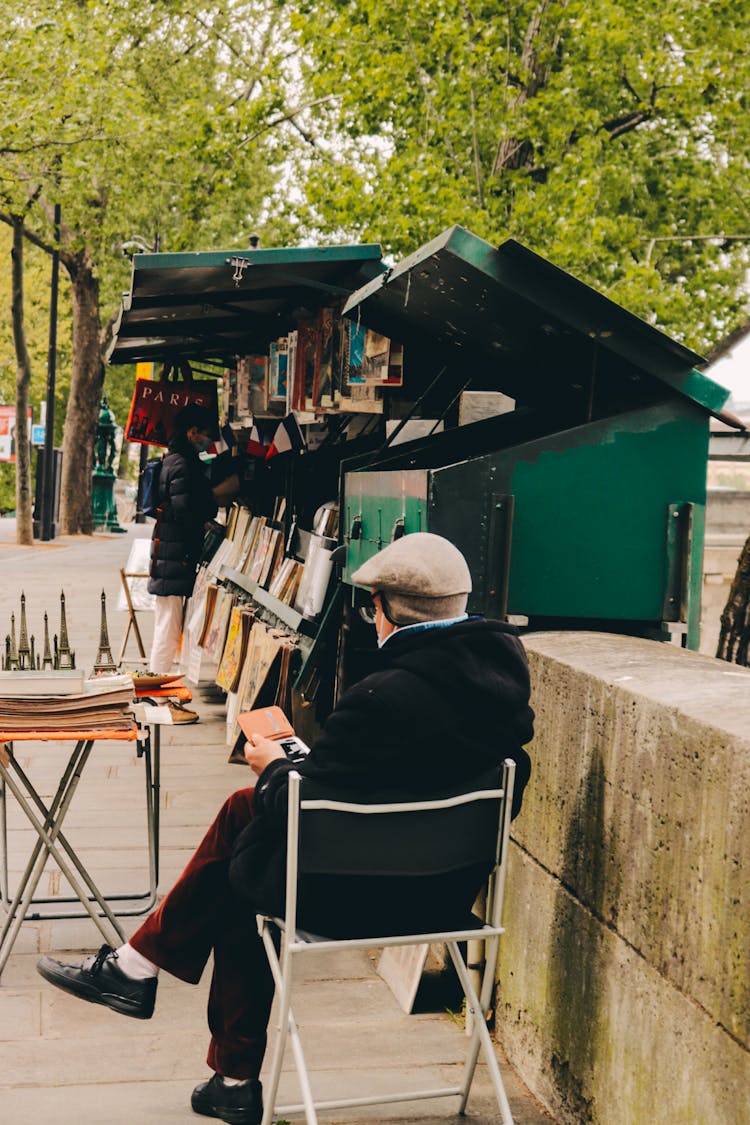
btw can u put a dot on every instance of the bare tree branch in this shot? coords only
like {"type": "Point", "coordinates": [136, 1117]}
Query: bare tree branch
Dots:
{"type": "Point", "coordinates": [616, 126]}
{"type": "Point", "coordinates": [52, 143]}
{"type": "Point", "coordinates": [285, 117]}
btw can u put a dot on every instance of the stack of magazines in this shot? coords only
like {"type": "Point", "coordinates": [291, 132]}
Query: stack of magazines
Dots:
{"type": "Point", "coordinates": [101, 703]}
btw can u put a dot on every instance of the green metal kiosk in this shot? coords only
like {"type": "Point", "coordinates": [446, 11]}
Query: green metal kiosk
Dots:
{"type": "Point", "coordinates": [583, 505]}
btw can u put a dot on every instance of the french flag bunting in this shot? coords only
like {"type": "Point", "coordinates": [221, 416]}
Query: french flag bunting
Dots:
{"type": "Point", "coordinates": [288, 438]}
{"type": "Point", "coordinates": [226, 440]}
{"type": "Point", "coordinates": [258, 444]}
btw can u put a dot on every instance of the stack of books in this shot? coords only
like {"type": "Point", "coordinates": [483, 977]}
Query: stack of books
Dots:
{"type": "Point", "coordinates": [104, 703]}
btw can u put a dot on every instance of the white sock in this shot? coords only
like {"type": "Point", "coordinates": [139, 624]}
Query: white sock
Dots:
{"type": "Point", "coordinates": [234, 1081]}
{"type": "Point", "coordinates": [134, 965]}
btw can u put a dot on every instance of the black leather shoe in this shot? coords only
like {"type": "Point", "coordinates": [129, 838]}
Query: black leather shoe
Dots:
{"type": "Point", "coordinates": [99, 980]}
{"type": "Point", "coordinates": [239, 1105]}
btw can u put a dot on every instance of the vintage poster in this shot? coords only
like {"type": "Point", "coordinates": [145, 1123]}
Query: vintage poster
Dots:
{"type": "Point", "coordinates": [8, 432]}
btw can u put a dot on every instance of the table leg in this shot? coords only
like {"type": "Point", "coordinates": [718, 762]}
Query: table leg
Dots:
{"type": "Point", "coordinates": [4, 884]}
{"type": "Point", "coordinates": [156, 798]}
{"type": "Point", "coordinates": [48, 813]}
{"type": "Point", "coordinates": [55, 816]}
{"type": "Point", "coordinates": [48, 841]}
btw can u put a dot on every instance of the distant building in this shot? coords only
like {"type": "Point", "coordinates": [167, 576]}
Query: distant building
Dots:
{"type": "Point", "coordinates": [729, 365]}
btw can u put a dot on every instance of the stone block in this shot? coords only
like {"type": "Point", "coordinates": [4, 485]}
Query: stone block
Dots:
{"type": "Point", "coordinates": [630, 875]}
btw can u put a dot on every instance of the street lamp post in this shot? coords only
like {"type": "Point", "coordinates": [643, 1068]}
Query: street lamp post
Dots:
{"type": "Point", "coordinates": [47, 514]}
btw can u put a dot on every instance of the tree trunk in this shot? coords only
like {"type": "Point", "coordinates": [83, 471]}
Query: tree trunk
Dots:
{"type": "Point", "coordinates": [82, 412]}
{"type": "Point", "coordinates": [517, 152]}
{"type": "Point", "coordinates": [734, 638]}
{"type": "Point", "coordinates": [24, 524]}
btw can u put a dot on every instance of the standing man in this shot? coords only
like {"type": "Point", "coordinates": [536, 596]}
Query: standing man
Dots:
{"type": "Point", "coordinates": [186, 503]}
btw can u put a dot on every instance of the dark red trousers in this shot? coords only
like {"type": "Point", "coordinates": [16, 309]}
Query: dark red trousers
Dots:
{"type": "Point", "coordinates": [199, 915]}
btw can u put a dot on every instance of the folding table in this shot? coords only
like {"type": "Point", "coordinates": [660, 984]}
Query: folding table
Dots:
{"type": "Point", "coordinates": [47, 822]}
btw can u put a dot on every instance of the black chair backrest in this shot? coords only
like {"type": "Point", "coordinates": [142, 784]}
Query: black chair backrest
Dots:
{"type": "Point", "coordinates": [402, 843]}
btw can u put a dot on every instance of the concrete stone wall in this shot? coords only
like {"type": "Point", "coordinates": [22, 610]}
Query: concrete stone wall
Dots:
{"type": "Point", "coordinates": [624, 996]}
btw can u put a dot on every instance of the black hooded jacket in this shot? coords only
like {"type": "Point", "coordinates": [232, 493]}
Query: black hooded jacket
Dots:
{"type": "Point", "coordinates": [446, 705]}
{"type": "Point", "coordinates": [186, 503]}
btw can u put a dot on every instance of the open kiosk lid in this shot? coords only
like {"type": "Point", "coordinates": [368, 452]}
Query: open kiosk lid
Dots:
{"type": "Point", "coordinates": [230, 302]}
{"type": "Point", "coordinates": [518, 324]}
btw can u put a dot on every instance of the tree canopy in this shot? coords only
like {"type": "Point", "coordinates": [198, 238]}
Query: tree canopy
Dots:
{"type": "Point", "coordinates": [138, 117]}
{"type": "Point", "coordinates": [612, 138]}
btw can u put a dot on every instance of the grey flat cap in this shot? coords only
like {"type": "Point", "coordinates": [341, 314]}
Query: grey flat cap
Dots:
{"type": "Point", "coordinates": [423, 577]}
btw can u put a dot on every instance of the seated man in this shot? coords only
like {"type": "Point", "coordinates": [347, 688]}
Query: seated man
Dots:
{"type": "Point", "coordinates": [449, 700]}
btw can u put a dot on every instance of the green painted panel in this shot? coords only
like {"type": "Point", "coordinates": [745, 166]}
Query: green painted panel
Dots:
{"type": "Point", "coordinates": [589, 531]}
{"type": "Point", "coordinates": [588, 537]}
{"type": "Point", "coordinates": [284, 255]}
{"type": "Point", "coordinates": [379, 504]}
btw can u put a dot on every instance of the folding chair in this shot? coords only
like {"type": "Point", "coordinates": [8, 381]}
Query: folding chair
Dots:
{"type": "Point", "coordinates": [426, 838]}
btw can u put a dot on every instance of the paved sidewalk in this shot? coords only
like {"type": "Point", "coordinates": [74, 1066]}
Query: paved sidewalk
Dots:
{"type": "Point", "coordinates": [78, 1064]}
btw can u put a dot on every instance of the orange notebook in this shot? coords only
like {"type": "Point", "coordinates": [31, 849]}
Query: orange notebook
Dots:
{"type": "Point", "coordinates": [271, 722]}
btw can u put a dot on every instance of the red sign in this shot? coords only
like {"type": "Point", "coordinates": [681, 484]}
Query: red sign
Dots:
{"type": "Point", "coordinates": [8, 432]}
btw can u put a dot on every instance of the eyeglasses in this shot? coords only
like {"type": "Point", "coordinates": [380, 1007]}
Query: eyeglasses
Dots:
{"type": "Point", "coordinates": [369, 608]}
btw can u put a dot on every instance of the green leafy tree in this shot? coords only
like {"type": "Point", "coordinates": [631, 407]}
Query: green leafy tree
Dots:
{"type": "Point", "coordinates": [137, 116]}
{"type": "Point", "coordinates": [36, 323]}
{"type": "Point", "coordinates": [612, 138]}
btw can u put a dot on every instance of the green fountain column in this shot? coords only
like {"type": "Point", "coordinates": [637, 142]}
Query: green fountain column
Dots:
{"type": "Point", "coordinates": [103, 507]}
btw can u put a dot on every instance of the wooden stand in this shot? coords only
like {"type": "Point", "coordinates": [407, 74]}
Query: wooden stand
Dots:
{"type": "Point", "coordinates": [132, 619]}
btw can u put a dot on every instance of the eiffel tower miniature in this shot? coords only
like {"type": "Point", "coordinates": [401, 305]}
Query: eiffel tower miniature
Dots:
{"type": "Point", "coordinates": [6, 658]}
{"type": "Point", "coordinates": [47, 658]}
{"type": "Point", "coordinates": [104, 661]}
{"type": "Point", "coordinates": [11, 648]}
{"type": "Point", "coordinates": [25, 651]}
{"type": "Point", "coordinates": [64, 657]}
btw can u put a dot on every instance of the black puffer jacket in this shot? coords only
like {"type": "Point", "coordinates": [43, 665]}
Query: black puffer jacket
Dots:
{"type": "Point", "coordinates": [186, 503]}
{"type": "Point", "coordinates": [446, 705]}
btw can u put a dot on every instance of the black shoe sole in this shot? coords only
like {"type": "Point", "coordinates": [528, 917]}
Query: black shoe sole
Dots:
{"type": "Point", "coordinates": [231, 1116]}
{"type": "Point", "coordinates": [93, 995]}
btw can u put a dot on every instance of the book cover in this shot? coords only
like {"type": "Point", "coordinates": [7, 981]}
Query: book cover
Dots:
{"type": "Point", "coordinates": [259, 556]}
{"type": "Point", "coordinates": [263, 646]}
{"type": "Point", "coordinates": [323, 388]}
{"type": "Point", "coordinates": [230, 666]}
{"type": "Point", "coordinates": [307, 347]}
{"type": "Point", "coordinates": [258, 401]}
{"type": "Point", "coordinates": [291, 370]}
{"type": "Point", "coordinates": [270, 722]}
{"type": "Point", "coordinates": [277, 370]}
{"type": "Point", "coordinates": [227, 662]}
{"type": "Point", "coordinates": [356, 354]}
{"type": "Point", "coordinates": [210, 605]}
{"type": "Point", "coordinates": [270, 560]}
{"type": "Point", "coordinates": [282, 367]}
{"type": "Point", "coordinates": [251, 542]}
{"type": "Point", "coordinates": [395, 377]}
{"type": "Point", "coordinates": [305, 362]}
{"type": "Point", "coordinates": [375, 356]}
{"type": "Point", "coordinates": [214, 642]}
{"type": "Point", "coordinates": [242, 387]}
{"type": "Point", "coordinates": [276, 585]}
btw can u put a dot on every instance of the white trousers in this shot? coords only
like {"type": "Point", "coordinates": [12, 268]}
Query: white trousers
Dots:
{"type": "Point", "coordinates": [167, 628]}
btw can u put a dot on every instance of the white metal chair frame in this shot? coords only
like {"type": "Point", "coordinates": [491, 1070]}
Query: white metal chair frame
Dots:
{"type": "Point", "coordinates": [294, 942]}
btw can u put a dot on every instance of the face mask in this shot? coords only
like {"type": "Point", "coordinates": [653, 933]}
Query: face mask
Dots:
{"type": "Point", "coordinates": [203, 443]}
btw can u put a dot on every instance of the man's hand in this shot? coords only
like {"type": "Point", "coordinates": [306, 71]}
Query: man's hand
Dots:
{"type": "Point", "coordinates": [225, 492]}
{"type": "Point", "coordinates": [259, 751]}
